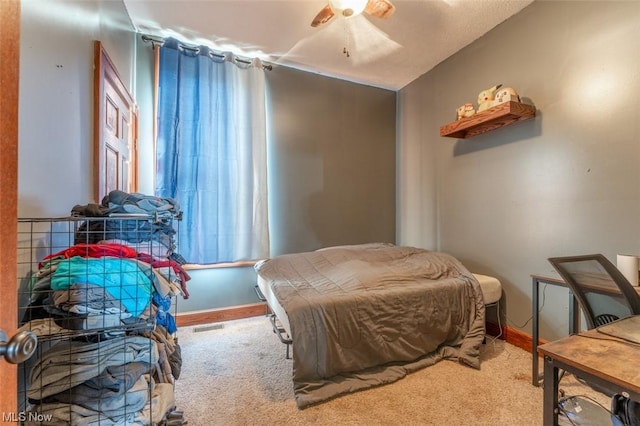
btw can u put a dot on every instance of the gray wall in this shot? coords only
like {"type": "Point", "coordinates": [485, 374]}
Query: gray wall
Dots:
{"type": "Point", "coordinates": [332, 162]}
{"type": "Point", "coordinates": [565, 183]}
{"type": "Point", "coordinates": [144, 71]}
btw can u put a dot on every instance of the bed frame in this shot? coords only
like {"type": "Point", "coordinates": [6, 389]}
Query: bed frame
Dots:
{"type": "Point", "coordinates": [278, 326]}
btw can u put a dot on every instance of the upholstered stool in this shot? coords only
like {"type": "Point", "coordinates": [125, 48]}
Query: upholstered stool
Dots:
{"type": "Point", "coordinates": [491, 292]}
{"type": "Point", "coordinates": [491, 289]}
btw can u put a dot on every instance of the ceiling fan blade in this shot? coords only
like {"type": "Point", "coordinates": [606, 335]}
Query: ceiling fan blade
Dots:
{"type": "Point", "coordinates": [323, 16]}
{"type": "Point", "coordinates": [380, 8]}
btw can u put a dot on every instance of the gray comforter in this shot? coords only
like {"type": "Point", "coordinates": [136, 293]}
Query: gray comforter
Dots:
{"type": "Point", "coordinates": [367, 315]}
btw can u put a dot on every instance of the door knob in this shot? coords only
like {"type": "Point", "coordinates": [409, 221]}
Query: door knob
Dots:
{"type": "Point", "coordinates": [19, 348]}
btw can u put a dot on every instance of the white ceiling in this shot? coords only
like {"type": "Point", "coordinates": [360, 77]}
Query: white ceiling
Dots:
{"type": "Point", "coordinates": [383, 53]}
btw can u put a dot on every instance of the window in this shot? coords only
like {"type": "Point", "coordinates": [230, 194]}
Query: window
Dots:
{"type": "Point", "coordinates": [211, 152]}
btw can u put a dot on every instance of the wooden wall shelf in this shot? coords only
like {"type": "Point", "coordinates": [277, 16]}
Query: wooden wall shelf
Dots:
{"type": "Point", "coordinates": [490, 119]}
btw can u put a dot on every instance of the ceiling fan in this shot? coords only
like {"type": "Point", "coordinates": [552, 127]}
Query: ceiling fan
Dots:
{"type": "Point", "coordinates": [378, 8]}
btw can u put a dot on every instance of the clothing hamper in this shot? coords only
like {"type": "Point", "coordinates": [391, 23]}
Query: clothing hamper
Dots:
{"type": "Point", "coordinates": [98, 292]}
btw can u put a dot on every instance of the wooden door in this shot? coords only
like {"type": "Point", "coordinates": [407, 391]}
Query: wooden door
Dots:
{"type": "Point", "coordinates": [115, 130]}
{"type": "Point", "coordinates": [9, 74]}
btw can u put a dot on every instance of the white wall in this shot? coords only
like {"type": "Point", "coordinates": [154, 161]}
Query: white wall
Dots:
{"type": "Point", "coordinates": [56, 98]}
{"type": "Point", "coordinates": [565, 183]}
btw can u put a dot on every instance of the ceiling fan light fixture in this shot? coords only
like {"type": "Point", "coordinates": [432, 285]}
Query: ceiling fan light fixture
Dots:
{"type": "Point", "coordinates": [348, 8]}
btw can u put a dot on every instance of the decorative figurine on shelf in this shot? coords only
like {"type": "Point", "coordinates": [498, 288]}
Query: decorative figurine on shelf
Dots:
{"type": "Point", "coordinates": [486, 98]}
{"type": "Point", "coordinates": [466, 110]}
{"type": "Point", "coordinates": [505, 95]}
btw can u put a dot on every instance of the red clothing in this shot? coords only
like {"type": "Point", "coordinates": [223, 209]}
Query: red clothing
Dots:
{"type": "Point", "coordinates": [177, 268]}
{"type": "Point", "coordinates": [94, 250]}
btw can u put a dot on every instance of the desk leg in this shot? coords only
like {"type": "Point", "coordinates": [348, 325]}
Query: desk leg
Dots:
{"type": "Point", "coordinates": [574, 314]}
{"type": "Point", "coordinates": [550, 396]}
{"type": "Point", "coordinates": [535, 287]}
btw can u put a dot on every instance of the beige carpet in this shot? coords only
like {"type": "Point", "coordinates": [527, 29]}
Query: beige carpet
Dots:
{"type": "Point", "coordinates": [238, 375]}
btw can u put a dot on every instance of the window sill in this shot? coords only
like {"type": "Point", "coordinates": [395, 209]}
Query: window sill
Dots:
{"type": "Point", "coordinates": [240, 264]}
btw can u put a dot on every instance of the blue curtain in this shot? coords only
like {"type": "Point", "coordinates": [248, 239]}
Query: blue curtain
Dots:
{"type": "Point", "coordinates": [211, 153]}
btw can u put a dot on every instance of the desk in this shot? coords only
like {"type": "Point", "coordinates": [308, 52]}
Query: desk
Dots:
{"type": "Point", "coordinates": [593, 356]}
{"type": "Point", "coordinates": [574, 317]}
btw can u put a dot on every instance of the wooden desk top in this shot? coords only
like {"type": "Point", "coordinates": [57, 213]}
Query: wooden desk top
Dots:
{"type": "Point", "coordinates": [611, 359]}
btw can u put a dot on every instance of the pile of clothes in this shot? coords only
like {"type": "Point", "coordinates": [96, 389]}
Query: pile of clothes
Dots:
{"type": "Point", "coordinates": [101, 309]}
{"type": "Point", "coordinates": [158, 212]}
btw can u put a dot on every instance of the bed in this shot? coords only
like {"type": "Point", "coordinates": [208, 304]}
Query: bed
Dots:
{"type": "Point", "coordinates": [364, 315]}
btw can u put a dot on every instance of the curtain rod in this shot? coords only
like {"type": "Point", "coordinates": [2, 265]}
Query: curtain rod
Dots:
{"type": "Point", "coordinates": [160, 41]}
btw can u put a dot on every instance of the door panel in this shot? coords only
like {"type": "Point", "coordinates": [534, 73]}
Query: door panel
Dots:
{"type": "Point", "coordinates": [111, 169]}
{"type": "Point", "coordinates": [115, 143]}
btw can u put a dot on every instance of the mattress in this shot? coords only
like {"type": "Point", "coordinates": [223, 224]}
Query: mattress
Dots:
{"type": "Point", "coordinates": [490, 286]}
{"type": "Point", "coordinates": [365, 315]}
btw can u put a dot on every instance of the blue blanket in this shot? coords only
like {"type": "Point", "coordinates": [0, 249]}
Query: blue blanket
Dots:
{"type": "Point", "coordinates": [121, 278]}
